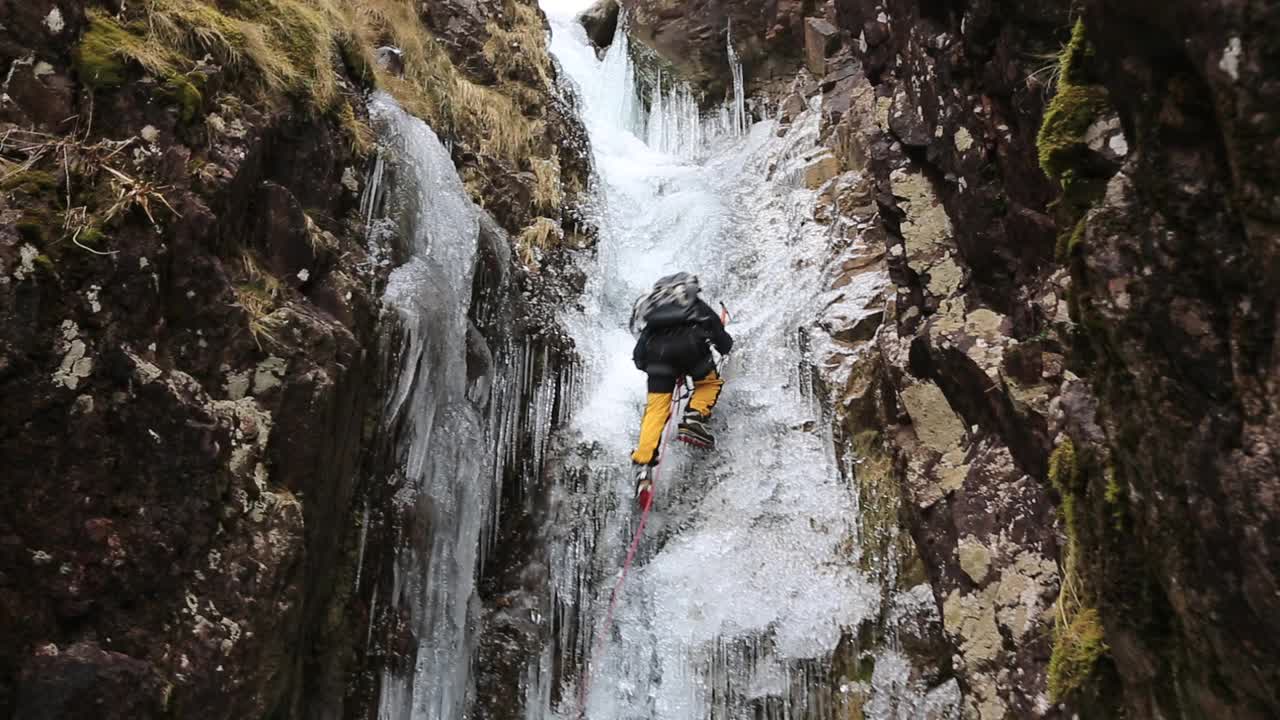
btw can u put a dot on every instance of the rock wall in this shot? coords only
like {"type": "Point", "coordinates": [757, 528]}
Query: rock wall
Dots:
{"type": "Point", "coordinates": [1171, 467]}
{"type": "Point", "coordinates": [1067, 394]}
{"type": "Point", "coordinates": [767, 34]}
{"type": "Point", "coordinates": [191, 355]}
{"type": "Point", "coordinates": [950, 372]}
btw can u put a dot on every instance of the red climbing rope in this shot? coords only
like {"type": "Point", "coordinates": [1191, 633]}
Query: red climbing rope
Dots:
{"type": "Point", "coordinates": [646, 504]}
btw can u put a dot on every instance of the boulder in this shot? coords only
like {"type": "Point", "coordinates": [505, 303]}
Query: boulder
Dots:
{"type": "Point", "coordinates": [601, 22]}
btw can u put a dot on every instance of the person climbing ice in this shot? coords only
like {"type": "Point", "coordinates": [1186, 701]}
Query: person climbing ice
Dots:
{"type": "Point", "coordinates": [675, 330]}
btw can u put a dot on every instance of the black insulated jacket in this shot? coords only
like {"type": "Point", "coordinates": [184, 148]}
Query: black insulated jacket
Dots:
{"type": "Point", "coordinates": [683, 348]}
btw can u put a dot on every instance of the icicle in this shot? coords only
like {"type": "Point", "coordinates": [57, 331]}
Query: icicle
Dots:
{"type": "Point", "coordinates": [739, 110]}
{"type": "Point", "coordinates": [364, 533]}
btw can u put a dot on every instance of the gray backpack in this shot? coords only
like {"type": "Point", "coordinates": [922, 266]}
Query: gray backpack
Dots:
{"type": "Point", "coordinates": [669, 303]}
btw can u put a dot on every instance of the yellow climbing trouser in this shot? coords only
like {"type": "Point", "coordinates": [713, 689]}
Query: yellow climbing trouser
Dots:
{"type": "Point", "coordinates": [657, 411]}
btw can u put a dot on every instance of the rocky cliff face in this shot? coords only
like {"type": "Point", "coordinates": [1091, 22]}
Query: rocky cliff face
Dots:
{"type": "Point", "coordinates": [693, 36]}
{"type": "Point", "coordinates": [1067, 395]}
{"type": "Point", "coordinates": [1172, 470]}
{"type": "Point", "coordinates": [934, 129]}
{"type": "Point", "coordinates": [191, 352]}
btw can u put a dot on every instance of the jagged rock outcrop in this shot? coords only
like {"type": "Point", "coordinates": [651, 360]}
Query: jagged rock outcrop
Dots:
{"type": "Point", "coordinates": [947, 408]}
{"type": "Point", "coordinates": [191, 355]}
{"type": "Point", "coordinates": [768, 36]}
{"type": "Point", "coordinates": [956, 387]}
{"type": "Point", "coordinates": [187, 329]}
{"type": "Point", "coordinates": [517, 139]}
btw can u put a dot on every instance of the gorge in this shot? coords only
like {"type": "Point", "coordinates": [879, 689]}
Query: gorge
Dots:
{"type": "Point", "coordinates": [318, 396]}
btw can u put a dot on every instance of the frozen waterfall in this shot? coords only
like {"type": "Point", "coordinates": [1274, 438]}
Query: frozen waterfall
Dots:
{"type": "Point", "coordinates": [748, 578]}
{"type": "Point", "coordinates": [466, 412]}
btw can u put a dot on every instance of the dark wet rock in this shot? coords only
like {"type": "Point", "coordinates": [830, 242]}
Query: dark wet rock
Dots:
{"type": "Point", "coordinates": [601, 22]}
{"type": "Point", "coordinates": [85, 681]}
{"type": "Point", "coordinates": [193, 361]}
{"type": "Point", "coordinates": [1174, 271]}
{"type": "Point", "coordinates": [769, 38]}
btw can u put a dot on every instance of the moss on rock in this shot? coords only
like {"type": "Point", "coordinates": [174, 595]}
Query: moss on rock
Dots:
{"type": "Point", "coordinates": [185, 94]}
{"type": "Point", "coordinates": [100, 58]}
{"type": "Point", "coordinates": [1073, 110]}
{"type": "Point", "coordinates": [1077, 646]}
{"type": "Point", "coordinates": [31, 228]}
{"type": "Point", "coordinates": [1078, 104]}
{"type": "Point", "coordinates": [1064, 473]}
{"type": "Point", "coordinates": [30, 182]}
{"type": "Point", "coordinates": [1067, 241]}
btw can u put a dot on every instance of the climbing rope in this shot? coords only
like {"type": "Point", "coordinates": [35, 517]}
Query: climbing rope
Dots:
{"type": "Point", "coordinates": [646, 504]}
{"type": "Point", "coordinates": [682, 393]}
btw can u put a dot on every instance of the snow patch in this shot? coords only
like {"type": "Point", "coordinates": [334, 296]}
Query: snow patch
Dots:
{"type": "Point", "coordinates": [1118, 145]}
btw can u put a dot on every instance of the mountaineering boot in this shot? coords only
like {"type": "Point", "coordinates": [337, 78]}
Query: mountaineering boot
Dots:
{"type": "Point", "coordinates": [644, 479]}
{"type": "Point", "coordinates": [693, 430]}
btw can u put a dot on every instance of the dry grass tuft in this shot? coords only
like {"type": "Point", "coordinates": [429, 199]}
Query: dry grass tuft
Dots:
{"type": "Point", "coordinates": [521, 50]}
{"type": "Point", "coordinates": [300, 49]}
{"type": "Point", "coordinates": [131, 192]}
{"type": "Point", "coordinates": [541, 235]}
{"type": "Point", "coordinates": [548, 190]}
{"type": "Point", "coordinates": [296, 47]}
{"type": "Point", "coordinates": [258, 295]}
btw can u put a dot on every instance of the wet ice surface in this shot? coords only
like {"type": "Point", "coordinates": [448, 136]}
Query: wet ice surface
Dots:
{"type": "Point", "coordinates": [456, 436]}
{"type": "Point", "coordinates": [748, 569]}
{"type": "Point", "coordinates": [431, 291]}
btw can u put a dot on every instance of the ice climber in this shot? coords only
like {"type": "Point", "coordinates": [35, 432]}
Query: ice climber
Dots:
{"type": "Point", "coordinates": [676, 330]}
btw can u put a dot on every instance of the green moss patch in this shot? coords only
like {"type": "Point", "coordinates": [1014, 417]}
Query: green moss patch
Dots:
{"type": "Point", "coordinates": [1079, 102]}
{"type": "Point", "coordinates": [1067, 241]}
{"type": "Point", "coordinates": [30, 182]}
{"type": "Point", "coordinates": [1064, 155]}
{"type": "Point", "coordinates": [185, 94]}
{"type": "Point", "coordinates": [100, 58]}
{"type": "Point", "coordinates": [33, 229]}
{"type": "Point", "coordinates": [1061, 141]}
{"type": "Point", "coordinates": [1064, 473]}
{"type": "Point", "coordinates": [90, 237]}
{"type": "Point", "coordinates": [1076, 58]}
{"type": "Point", "coordinates": [1077, 646]}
